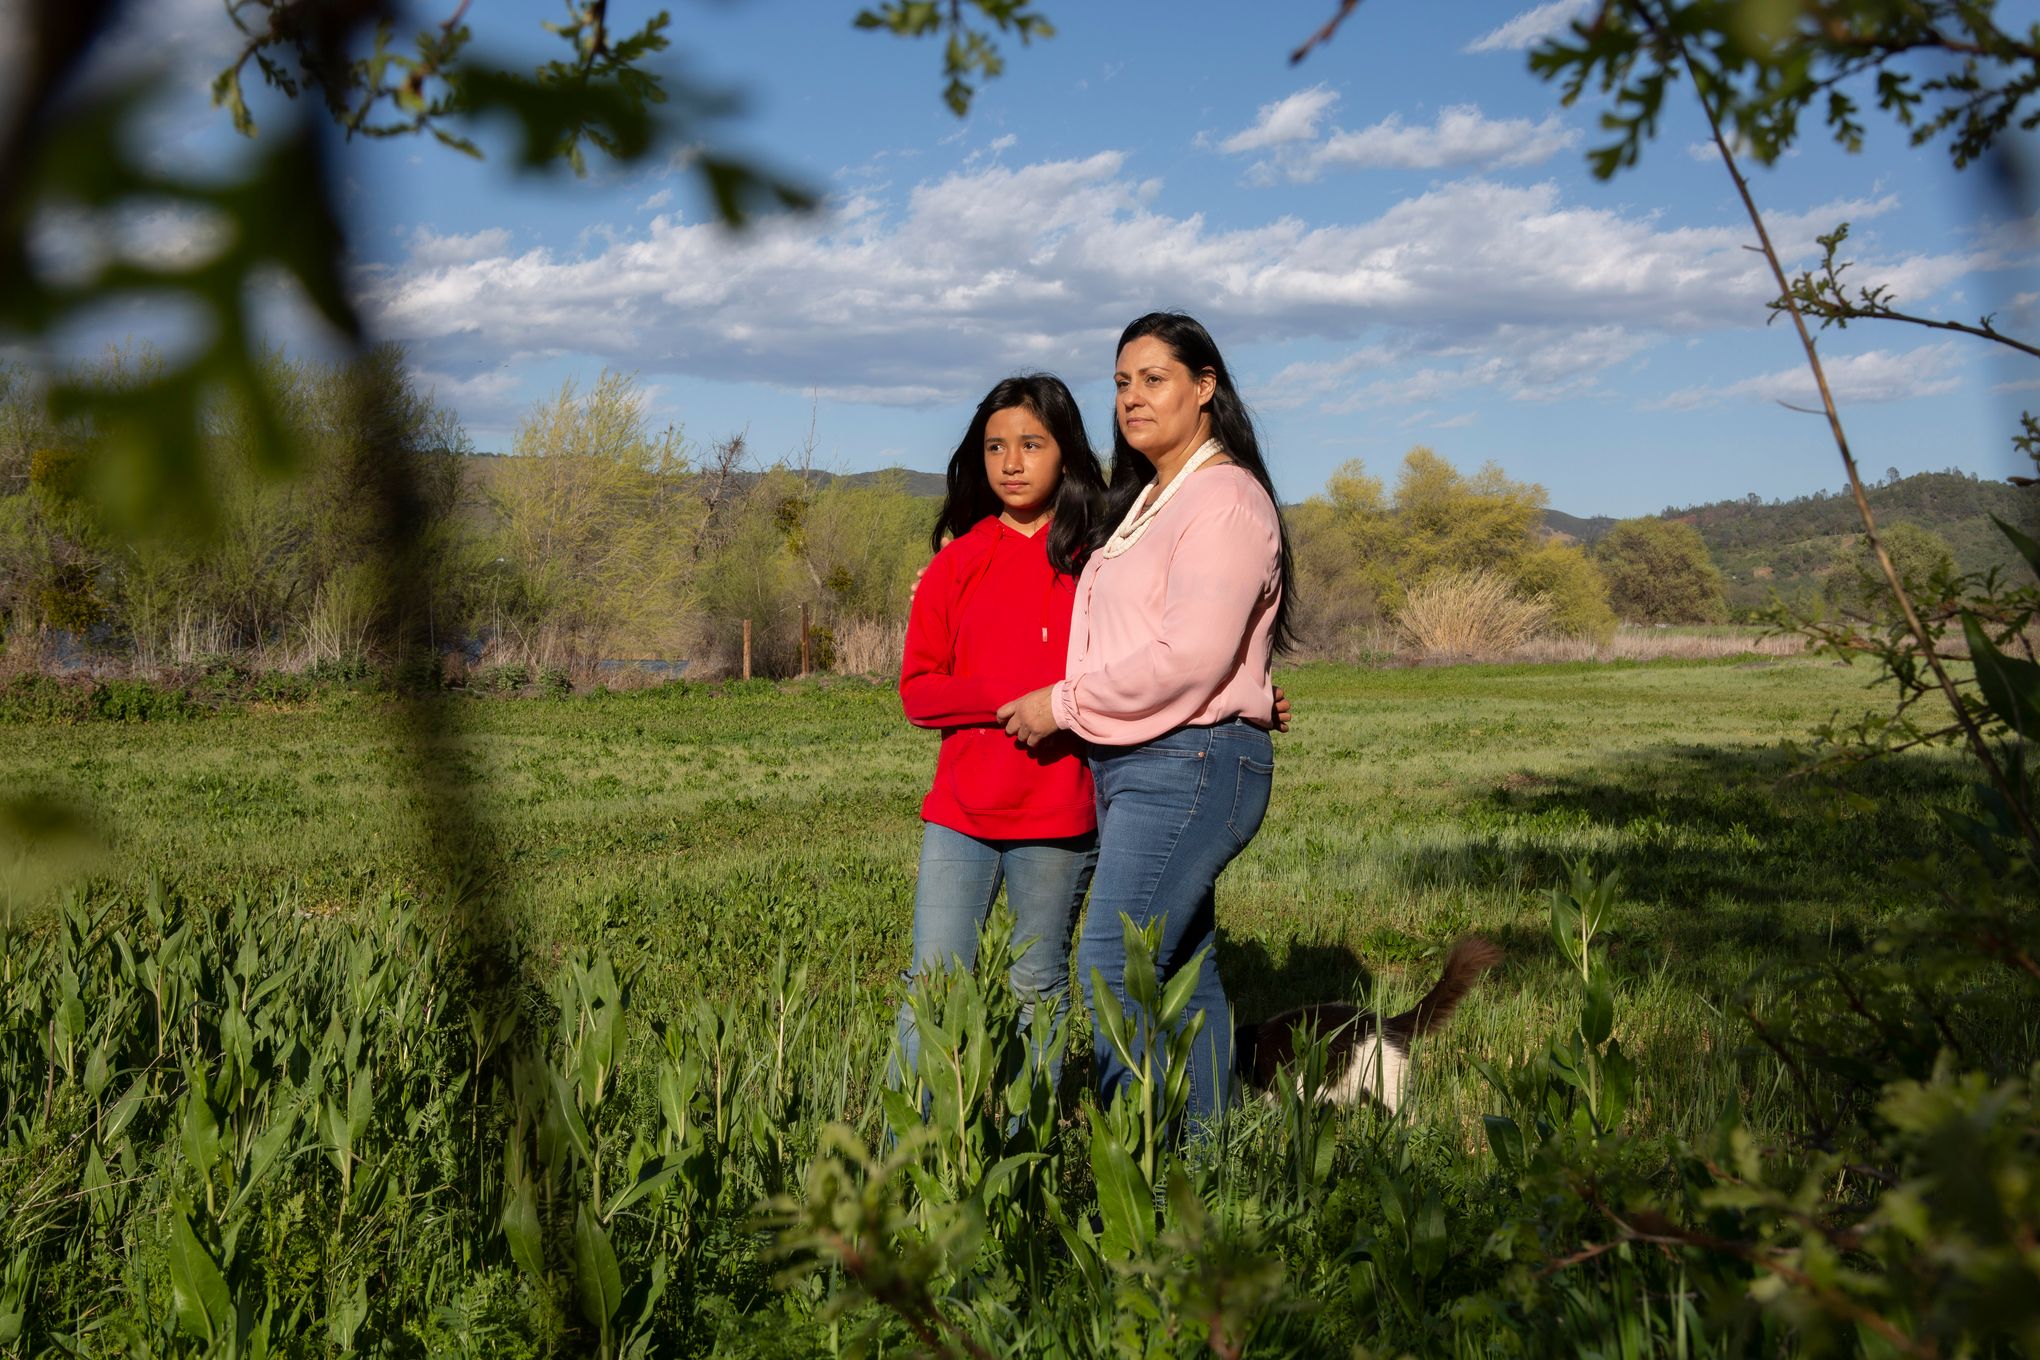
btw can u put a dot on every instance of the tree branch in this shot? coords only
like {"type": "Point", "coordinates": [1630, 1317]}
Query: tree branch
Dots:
{"type": "Point", "coordinates": [1978, 745]}
{"type": "Point", "coordinates": [1324, 35]}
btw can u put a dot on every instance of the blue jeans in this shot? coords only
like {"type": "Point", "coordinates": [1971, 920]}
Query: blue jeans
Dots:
{"type": "Point", "coordinates": [960, 875]}
{"type": "Point", "coordinates": [1172, 813]}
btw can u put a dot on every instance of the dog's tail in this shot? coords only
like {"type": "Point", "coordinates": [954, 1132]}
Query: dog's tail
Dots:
{"type": "Point", "coordinates": [1464, 963]}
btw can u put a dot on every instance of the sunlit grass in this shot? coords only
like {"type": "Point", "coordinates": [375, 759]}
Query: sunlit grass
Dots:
{"type": "Point", "coordinates": [696, 831]}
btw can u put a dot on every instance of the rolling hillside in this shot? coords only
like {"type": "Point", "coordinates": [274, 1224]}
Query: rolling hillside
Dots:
{"type": "Point", "coordinates": [1789, 546]}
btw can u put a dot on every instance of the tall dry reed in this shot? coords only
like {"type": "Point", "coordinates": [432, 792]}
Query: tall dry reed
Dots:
{"type": "Point", "coordinates": [1473, 614]}
{"type": "Point", "coordinates": [870, 646]}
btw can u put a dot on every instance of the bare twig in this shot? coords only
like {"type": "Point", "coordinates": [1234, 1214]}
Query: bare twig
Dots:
{"type": "Point", "coordinates": [1986, 331]}
{"type": "Point", "coordinates": [1324, 35]}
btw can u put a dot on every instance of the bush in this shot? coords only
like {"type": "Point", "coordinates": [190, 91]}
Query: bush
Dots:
{"type": "Point", "coordinates": [507, 678]}
{"type": "Point", "coordinates": [40, 698]}
{"type": "Point", "coordinates": [282, 687]}
{"type": "Point", "coordinates": [555, 683]}
{"type": "Point", "coordinates": [138, 701]}
{"type": "Point", "coordinates": [1470, 614]}
{"type": "Point", "coordinates": [347, 670]}
{"type": "Point", "coordinates": [220, 676]}
{"type": "Point", "coordinates": [1566, 576]}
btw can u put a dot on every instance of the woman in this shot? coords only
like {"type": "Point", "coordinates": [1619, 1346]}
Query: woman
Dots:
{"type": "Point", "coordinates": [1178, 613]}
{"type": "Point", "coordinates": [991, 620]}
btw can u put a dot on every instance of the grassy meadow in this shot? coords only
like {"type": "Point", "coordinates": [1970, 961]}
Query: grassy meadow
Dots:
{"type": "Point", "coordinates": [696, 831]}
{"type": "Point", "coordinates": [693, 834]}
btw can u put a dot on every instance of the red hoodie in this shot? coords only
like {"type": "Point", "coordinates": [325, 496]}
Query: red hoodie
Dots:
{"type": "Point", "coordinates": [991, 622]}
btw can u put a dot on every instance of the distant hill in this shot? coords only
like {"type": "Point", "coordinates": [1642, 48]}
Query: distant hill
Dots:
{"type": "Point", "coordinates": [1588, 532]}
{"type": "Point", "coordinates": [913, 483]}
{"type": "Point", "coordinates": [1789, 546]}
{"type": "Point", "coordinates": [909, 481]}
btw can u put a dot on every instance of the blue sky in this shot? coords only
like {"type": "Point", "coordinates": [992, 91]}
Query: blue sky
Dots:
{"type": "Point", "coordinates": [1396, 243]}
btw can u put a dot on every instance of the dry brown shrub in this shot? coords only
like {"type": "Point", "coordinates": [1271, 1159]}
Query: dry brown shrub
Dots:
{"type": "Point", "coordinates": [870, 646]}
{"type": "Point", "coordinates": [1473, 614]}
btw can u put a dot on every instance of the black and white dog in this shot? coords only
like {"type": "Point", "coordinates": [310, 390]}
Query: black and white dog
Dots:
{"type": "Point", "coordinates": [1367, 1058]}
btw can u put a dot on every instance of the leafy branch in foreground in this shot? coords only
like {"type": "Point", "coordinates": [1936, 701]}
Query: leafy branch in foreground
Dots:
{"type": "Point", "coordinates": [969, 51]}
{"type": "Point", "coordinates": [1827, 299]}
{"type": "Point", "coordinates": [1761, 67]}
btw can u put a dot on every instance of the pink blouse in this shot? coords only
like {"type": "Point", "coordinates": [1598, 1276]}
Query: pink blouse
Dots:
{"type": "Point", "coordinates": [1177, 630]}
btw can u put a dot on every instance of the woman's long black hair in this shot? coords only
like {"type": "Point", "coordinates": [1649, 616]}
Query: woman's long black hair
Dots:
{"type": "Point", "coordinates": [1075, 509]}
{"type": "Point", "coordinates": [1231, 424]}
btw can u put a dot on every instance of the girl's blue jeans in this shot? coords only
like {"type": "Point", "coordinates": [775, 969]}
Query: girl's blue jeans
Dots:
{"type": "Point", "coordinates": [960, 876]}
{"type": "Point", "coordinates": [1172, 813]}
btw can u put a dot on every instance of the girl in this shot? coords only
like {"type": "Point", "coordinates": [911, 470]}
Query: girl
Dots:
{"type": "Point", "coordinates": [1178, 613]}
{"type": "Point", "coordinates": [991, 620]}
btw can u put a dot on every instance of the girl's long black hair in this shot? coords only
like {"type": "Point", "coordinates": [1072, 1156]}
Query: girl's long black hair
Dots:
{"type": "Point", "coordinates": [1231, 424]}
{"type": "Point", "coordinates": [1075, 508]}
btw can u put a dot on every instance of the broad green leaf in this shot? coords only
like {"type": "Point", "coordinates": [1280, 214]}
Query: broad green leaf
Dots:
{"type": "Point", "coordinates": [200, 1132]}
{"type": "Point", "coordinates": [1126, 1202]}
{"type": "Point", "coordinates": [1177, 994]}
{"type": "Point", "coordinates": [124, 1110]}
{"type": "Point", "coordinates": [360, 1104]}
{"type": "Point", "coordinates": [2027, 546]}
{"type": "Point", "coordinates": [1505, 1138]}
{"type": "Point", "coordinates": [1111, 1019]}
{"type": "Point", "coordinates": [1327, 1146]}
{"type": "Point", "coordinates": [595, 1270]}
{"type": "Point", "coordinates": [262, 1156]}
{"type": "Point", "coordinates": [95, 1070]}
{"type": "Point", "coordinates": [569, 1111]}
{"type": "Point", "coordinates": [651, 1177]}
{"type": "Point", "coordinates": [198, 1292]}
{"type": "Point", "coordinates": [2010, 684]}
{"type": "Point", "coordinates": [521, 1230]}
{"type": "Point", "coordinates": [1597, 1014]}
{"type": "Point", "coordinates": [1427, 1238]}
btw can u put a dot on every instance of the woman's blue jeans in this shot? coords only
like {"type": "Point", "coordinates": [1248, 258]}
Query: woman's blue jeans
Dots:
{"type": "Point", "coordinates": [1172, 813]}
{"type": "Point", "coordinates": [960, 876]}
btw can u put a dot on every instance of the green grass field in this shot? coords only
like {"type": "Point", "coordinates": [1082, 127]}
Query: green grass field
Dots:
{"type": "Point", "coordinates": [696, 833]}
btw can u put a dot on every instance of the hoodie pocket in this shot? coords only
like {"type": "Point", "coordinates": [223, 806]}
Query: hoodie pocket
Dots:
{"type": "Point", "coordinates": [991, 772]}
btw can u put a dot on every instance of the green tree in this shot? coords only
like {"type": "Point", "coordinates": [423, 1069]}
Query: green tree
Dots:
{"type": "Point", "coordinates": [1451, 524]}
{"type": "Point", "coordinates": [1856, 584]}
{"type": "Point", "coordinates": [1659, 571]}
{"type": "Point", "coordinates": [596, 528]}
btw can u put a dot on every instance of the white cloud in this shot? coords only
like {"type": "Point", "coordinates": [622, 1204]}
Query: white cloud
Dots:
{"type": "Point", "coordinates": [490, 387]}
{"type": "Point", "coordinates": [1473, 283]}
{"type": "Point", "coordinates": [1531, 26]}
{"type": "Point", "coordinates": [1855, 379]}
{"type": "Point", "coordinates": [656, 201]}
{"type": "Point", "coordinates": [70, 245]}
{"type": "Point", "coordinates": [1461, 136]}
{"type": "Point", "coordinates": [1293, 119]}
{"type": "Point", "coordinates": [430, 250]}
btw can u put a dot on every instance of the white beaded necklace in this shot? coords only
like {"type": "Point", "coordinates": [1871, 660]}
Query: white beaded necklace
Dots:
{"type": "Point", "coordinates": [1139, 516]}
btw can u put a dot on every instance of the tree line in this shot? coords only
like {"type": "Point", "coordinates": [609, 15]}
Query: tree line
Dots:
{"type": "Point", "coordinates": [607, 537]}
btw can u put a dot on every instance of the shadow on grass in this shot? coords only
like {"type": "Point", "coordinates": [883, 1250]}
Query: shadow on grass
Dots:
{"type": "Point", "coordinates": [1260, 984]}
{"type": "Point", "coordinates": [1727, 864]}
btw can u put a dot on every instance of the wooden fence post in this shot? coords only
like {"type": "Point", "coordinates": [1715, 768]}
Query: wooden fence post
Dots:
{"type": "Point", "coordinates": [747, 649]}
{"type": "Point", "coordinates": [803, 640]}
